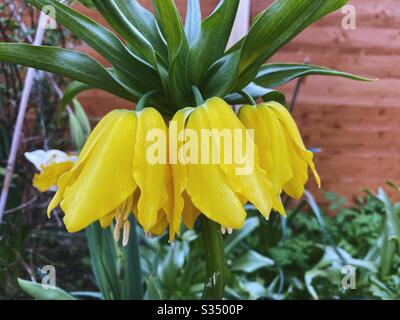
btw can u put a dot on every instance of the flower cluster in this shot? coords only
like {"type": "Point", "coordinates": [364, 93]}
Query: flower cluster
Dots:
{"type": "Point", "coordinates": [113, 176]}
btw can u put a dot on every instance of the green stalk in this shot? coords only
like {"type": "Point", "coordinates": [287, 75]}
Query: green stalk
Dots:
{"type": "Point", "coordinates": [214, 284]}
{"type": "Point", "coordinates": [133, 267]}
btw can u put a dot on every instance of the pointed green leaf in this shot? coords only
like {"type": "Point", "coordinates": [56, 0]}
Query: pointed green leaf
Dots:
{"type": "Point", "coordinates": [222, 76]}
{"type": "Point", "coordinates": [267, 94]}
{"type": "Point", "coordinates": [234, 239]}
{"type": "Point", "coordinates": [72, 64]}
{"type": "Point", "coordinates": [145, 22]}
{"type": "Point", "coordinates": [214, 37]}
{"type": "Point", "coordinates": [76, 131]}
{"type": "Point", "coordinates": [73, 89]}
{"type": "Point", "coordinates": [251, 261]}
{"type": "Point", "coordinates": [118, 20]}
{"type": "Point", "coordinates": [104, 260]}
{"type": "Point", "coordinates": [82, 118]}
{"type": "Point", "coordinates": [275, 27]}
{"type": "Point", "coordinates": [178, 86]}
{"type": "Point", "coordinates": [171, 26]}
{"type": "Point", "coordinates": [392, 218]}
{"type": "Point", "coordinates": [38, 291]}
{"type": "Point", "coordinates": [153, 289]}
{"type": "Point", "coordinates": [277, 74]}
{"type": "Point", "coordinates": [104, 42]}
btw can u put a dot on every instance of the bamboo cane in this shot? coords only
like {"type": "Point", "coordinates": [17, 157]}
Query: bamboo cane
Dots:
{"type": "Point", "coordinates": [16, 139]}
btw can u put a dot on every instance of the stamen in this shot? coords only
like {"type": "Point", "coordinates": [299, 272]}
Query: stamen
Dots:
{"type": "Point", "coordinates": [223, 230]}
{"type": "Point", "coordinates": [125, 237]}
{"type": "Point", "coordinates": [121, 221]}
{"type": "Point", "coordinates": [117, 232]}
{"type": "Point", "coordinates": [230, 230]}
{"type": "Point", "coordinates": [148, 234]}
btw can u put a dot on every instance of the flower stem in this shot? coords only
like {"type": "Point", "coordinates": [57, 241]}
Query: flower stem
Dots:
{"type": "Point", "coordinates": [132, 264]}
{"type": "Point", "coordinates": [214, 284]}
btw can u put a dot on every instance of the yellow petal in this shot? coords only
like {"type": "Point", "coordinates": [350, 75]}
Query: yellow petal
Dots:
{"type": "Point", "coordinates": [69, 177]}
{"type": "Point", "coordinates": [161, 224]}
{"type": "Point", "coordinates": [251, 119]}
{"type": "Point", "coordinates": [106, 221]}
{"type": "Point", "coordinates": [287, 120]}
{"type": "Point", "coordinates": [293, 132]}
{"type": "Point", "coordinates": [150, 176]}
{"type": "Point", "coordinates": [179, 170]}
{"type": "Point", "coordinates": [271, 142]}
{"type": "Point", "coordinates": [190, 212]}
{"type": "Point", "coordinates": [49, 176]}
{"type": "Point", "coordinates": [101, 183]}
{"type": "Point", "coordinates": [253, 183]}
{"type": "Point", "coordinates": [208, 186]}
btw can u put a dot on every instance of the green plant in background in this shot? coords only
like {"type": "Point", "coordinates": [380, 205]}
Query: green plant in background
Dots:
{"type": "Point", "coordinates": [21, 219]}
{"type": "Point", "coordinates": [298, 264]}
{"type": "Point", "coordinates": [168, 66]}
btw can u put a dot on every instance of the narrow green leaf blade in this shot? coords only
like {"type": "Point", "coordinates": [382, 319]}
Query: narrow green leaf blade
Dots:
{"type": "Point", "coordinates": [82, 118]}
{"type": "Point", "coordinates": [249, 226]}
{"type": "Point", "coordinates": [171, 26]}
{"type": "Point", "coordinates": [251, 261]}
{"type": "Point", "coordinates": [145, 22]}
{"type": "Point", "coordinates": [72, 64]}
{"type": "Point", "coordinates": [153, 289]}
{"type": "Point", "coordinates": [214, 37]}
{"type": "Point", "coordinates": [275, 27]}
{"type": "Point", "coordinates": [267, 94]}
{"type": "Point", "coordinates": [104, 259]}
{"type": "Point", "coordinates": [38, 291]}
{"type": "Point", "coordinates": [76, 131]}
{"type": "Point", "coordinates": [178, 85]}
{"type": "Point", "coordinates": [276, 74]}
{"type": "Point", "coordinates": [222, 76]}
{"type": "Point", "coordinates": [73, 89]}
{"type": "Point", "coordinates": [104, 42]}
{"type": "Point", "coordinates": [117, 19]}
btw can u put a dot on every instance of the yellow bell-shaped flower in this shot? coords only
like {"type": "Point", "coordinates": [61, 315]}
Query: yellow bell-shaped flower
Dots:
{"type": "Point", "coordinates": [216, 168]}
{"type": "Point", "coordinates": [282, 151]}
{"type": "Point", "coordinates": [112, 177]}
{"type": "Point", "coordinates": [51, 164]}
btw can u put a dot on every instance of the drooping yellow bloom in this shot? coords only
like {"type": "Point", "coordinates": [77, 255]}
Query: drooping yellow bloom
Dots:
{"type": "Point", "coordinates": [51, 165]}
{"type": "Point", "coordinates": [207, 161]}
{"type": "Point", "coordinates": [282, 151]}
{"type": "Point", "coordinates": [112, 177]}
{"type": "Point", "coordinates": [209, 182]}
